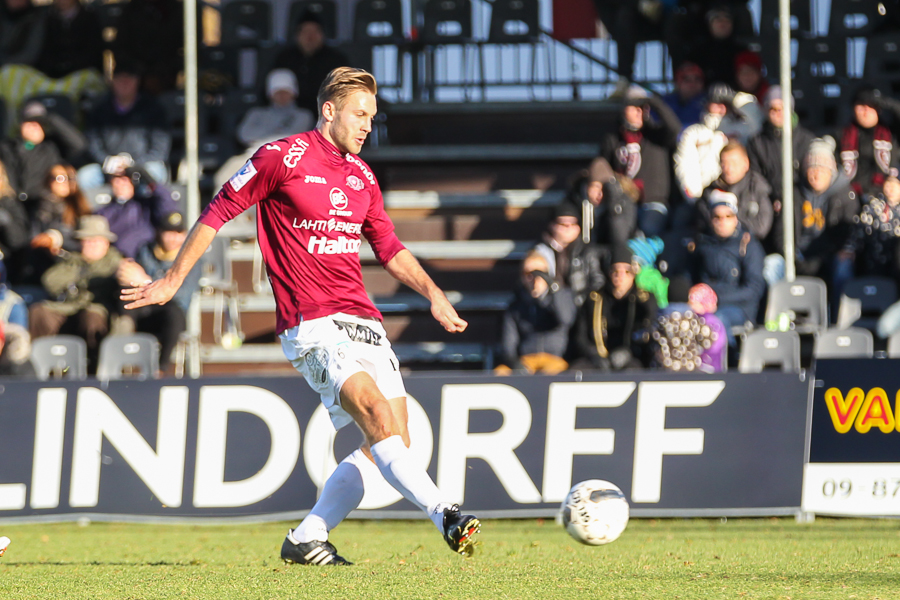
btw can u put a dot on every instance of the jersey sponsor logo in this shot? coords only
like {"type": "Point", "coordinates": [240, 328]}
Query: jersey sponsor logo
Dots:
{"type": "Point", "coordinates": [273, 147]}
{"type": "Point", "coordinates": [355, 183]}
{"type": "Point", "coordinates": [341, 245]}
{"type": "Point", "coordinates": [338, 198]}
{"type": "Point", "coordinates": [295, 153]}
{"type": "Point", "coordinates": [362, 167]}
{"type": "Point", "coordinates": [329, 225]}
{"type": "Point", "coordinates": [314, 179]}
{"type": "Point", "coordinates": [243, 176]}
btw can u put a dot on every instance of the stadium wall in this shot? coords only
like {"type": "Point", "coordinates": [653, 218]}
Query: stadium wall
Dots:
{"type": "Point", "coordinates": [259, 448]}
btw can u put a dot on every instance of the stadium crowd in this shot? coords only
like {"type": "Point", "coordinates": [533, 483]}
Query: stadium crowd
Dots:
{"type": "Point", "coordinates": [677, 223]}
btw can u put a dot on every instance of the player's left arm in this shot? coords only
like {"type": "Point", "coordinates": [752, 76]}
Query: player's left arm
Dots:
{"type": "Point", "coordinates": [405, 268]}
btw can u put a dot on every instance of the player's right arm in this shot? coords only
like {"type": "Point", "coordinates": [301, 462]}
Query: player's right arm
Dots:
{"type": "Point", "coordinates": [143, 293]}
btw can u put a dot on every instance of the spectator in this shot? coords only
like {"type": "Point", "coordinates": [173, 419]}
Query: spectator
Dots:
{"type": "Point", "coordinates": [877, 231]}
{"type": "Point", "coordinates": [137, 206]}
{"type": "Point", "coordinates": [868, 147]}
{"type": "Point", "coordinates": [730, 260]}
{"type": "Point", "coordinates": [642, 150]}
{"type": "Point", "coordinates": [15, 352]}
{"type": "Point", "coordinates": [764, 149]}
{"type": "Point", "coordinates": [748, 75]}
{"type": "Point", "coordinates": [54, 217]}
{"type": "Point", "coordinates": [607, 202]}
{"type": "Point", "coordinates": [12, 305]}
{"type": "Point", "coordinates": [127, 122]}
{"type": "Point", "coordinates": [13, 220]}
{"type": "Point", "coordinates": [21, 32]}
{"type": "Point", "coordinates": [622, 315]}
{"type": "Point", "coordinates": [310, 59]}
{"type": "Point", "coordinates": [84, 288]}
{"type": "Point", "coordinates": [702, 300]}
{"type": "Point", "coordinates": [687, 100]}
{"type": "Point", "coordinates": [68, 139]}
{"type": "Point", "coordinates": [150, 35]}
{"type": "Point", "coordinates": [536, 325]}
{"type": "Point", "coordinates": [570, 262]}
{"type": "Point", "coordinates": [263, 124]}
{"type": "Point", "coordinates": [29, 157]}
{"type": "Point", "coordinates": [750, 190]}
{"type": "Point", "coordinates": [717, 49]}
{"type": "Point", "coordinates": [697, 158]}
{"type": "Point", "coordinates": [73, 40]}
{"type": "Point", "coordinates": [825, 208]}
{"type": "Point", "coordinates": [153, 260]}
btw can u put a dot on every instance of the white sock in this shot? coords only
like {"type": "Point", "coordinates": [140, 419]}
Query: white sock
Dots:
{"type": "Point", "coordinates": [342, 493]}
{"type": "Point", "coordinates": [396, 463]}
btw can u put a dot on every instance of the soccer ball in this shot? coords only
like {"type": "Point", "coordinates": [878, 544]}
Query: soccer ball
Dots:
{"type": "Point", "coordinates": [595, 512]}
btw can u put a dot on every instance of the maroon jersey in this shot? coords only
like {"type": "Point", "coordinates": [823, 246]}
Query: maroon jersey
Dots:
{"type": "Point", "coordinates": [313, 204]}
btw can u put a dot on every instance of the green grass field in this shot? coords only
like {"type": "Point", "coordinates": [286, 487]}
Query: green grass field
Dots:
{"type": "Point", "coordinates": [691, 559]}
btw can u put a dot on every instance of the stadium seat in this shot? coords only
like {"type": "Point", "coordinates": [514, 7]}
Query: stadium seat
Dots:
{"type": "Point", "coordinates": [854, 342]}
{"type": "Point", "coordinates": [325, 10]}
{"type": "Point", "coordinates": [447, 22]}
{"type": "Point", "coordinates": [864, 300]}
{"type": "Point", "coordinates": [801, 18]}
{"type": "Point", "coordinates": [59, 357]}
{"type": "Point", "coordinates": [762, 348]}
{"type": "Point", "coordinates": [246, 22]}
{"type": "Point", "coordinates": [805, 297]}
{"type": "Point", "coordinates": [378, 22]}
{"type": "Point", "coordinates": [218, 280]}
{"type": "Point", "coordinates": [853, 18]}
{"type": "Point", "coordinates": [893, 347]}
{"type": "Point", "coordinates": [517, 22]}
{"type": "Point", "coordinates": [125, 356]}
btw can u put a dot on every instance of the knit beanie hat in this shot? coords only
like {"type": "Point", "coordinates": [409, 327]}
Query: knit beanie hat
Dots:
{"type": "Point", "coordinates": [774, 93]}
{"type": "Point", "coordinates": [821, 153]}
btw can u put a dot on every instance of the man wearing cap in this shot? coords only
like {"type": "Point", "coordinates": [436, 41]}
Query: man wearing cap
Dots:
{"type": "Point", "coordinates": [687, 100]}
{"type": "Point", "coordinates": [641, 149]}
{"type": "Point", "coordinates": [868, 147]}
{"type": "Point", "coordinates": [127, 121]}
{"type": "Point", "coordinates": [137, 205]}
{"type": "Point", "coordinates": [825, 208]}
{"type": "Point", "coordinates": [310, 59]}
{"type": "Point", "coordinates": [168, 320]}
{"type": "Point", "coordinates": [730, 260]}
{"type": "Point", "coordinates": [571, 262]}
{"type": "Point", "coordinates": [764, 149]}
{"type": "Point", "coordinates": [746, 188]}
{"type": "Point", "coordinates": [83, 288]}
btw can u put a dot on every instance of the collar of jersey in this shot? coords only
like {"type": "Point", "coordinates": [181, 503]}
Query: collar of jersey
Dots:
{"type": "Point", "coordinates": [334, 155]}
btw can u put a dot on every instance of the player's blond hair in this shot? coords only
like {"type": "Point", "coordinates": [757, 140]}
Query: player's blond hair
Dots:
{"type": "Point", "coordinates": [341, 83]}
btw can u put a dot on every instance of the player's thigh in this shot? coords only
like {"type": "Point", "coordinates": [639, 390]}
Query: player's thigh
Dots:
{"type": "Point", "coordinates": [361, 399]}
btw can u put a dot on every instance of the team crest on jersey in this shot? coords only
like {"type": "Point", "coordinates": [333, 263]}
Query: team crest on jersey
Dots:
{"type": "Point", "coordinates": [883, 155]}
{"type": "Point", "coordinates": [355, 183]}
{"type": "Point", "coordinates": [240, 179]}
{"type": "Point", "coordinates": [338, 198]}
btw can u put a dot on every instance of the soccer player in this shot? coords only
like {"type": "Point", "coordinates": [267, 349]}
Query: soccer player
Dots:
{"type": "Point", "coordinates": [315, 199]}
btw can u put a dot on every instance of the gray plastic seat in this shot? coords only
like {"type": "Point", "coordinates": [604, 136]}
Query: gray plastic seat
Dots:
{"type": "Point", "coordinates": [763, 348]}
{"type": "Point", "coordinates": [134, 355]}
{"type": "Point", "coordinates": [854, 342]}
{"type": "Point", "coordinates": [864, 300]}
{"type": "Point", "coordinates": [59, 357]}
{"type": "Point", "coordinates": [805, 297]}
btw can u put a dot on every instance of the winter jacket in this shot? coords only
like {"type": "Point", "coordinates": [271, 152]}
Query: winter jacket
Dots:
{"type": "Point", "coordinates": [764, 151]}
{"type": "Point", "coordinates": [823, 225]}
{"type": "Point", "coordinates": [697, 157]}
{"type": "Point", "coordinates": [28, 165]}
{"type": "Point", "coordinates": [135, 220]}
{"type": "Point", "coordinates": [650, 168]}
{"type": "Point", "coordinates": [142, 131]}
{"type": "Point", "coordinates": [76, 284]}
{"type": "Point", "coordinates": [13, 226]}
{"type": "Point", "coordinates": [733, 268]}
{"type": "Point", "coordinates": [532, 325]}
{"type": "Point", "coordinates": [755, 210]}
{"type": "Point", "coordinates": [614, 220]}
{"type": "Point", "coordinates": [606, 325]}
{"type": "Point", "coordinates": [579, 267]}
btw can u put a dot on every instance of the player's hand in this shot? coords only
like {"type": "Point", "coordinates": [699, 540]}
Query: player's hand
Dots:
{"type": "Point", "coordinates": [446, 315]}
{"type": "Point", "coordinates": [148, 292]}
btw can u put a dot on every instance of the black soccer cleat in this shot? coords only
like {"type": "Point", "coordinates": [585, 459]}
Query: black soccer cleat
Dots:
{"type": "Point", "coordinates": [310, 553]}
{"type": "Point", "coordinates": [459, 530]}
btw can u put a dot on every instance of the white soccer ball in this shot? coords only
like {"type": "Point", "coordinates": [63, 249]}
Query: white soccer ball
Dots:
{"type": "Point", "coordinates": [595, 512]}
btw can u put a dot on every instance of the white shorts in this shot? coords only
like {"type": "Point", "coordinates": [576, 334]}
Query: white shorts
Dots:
{"type": "Point", "coordinates": [329, 350]}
